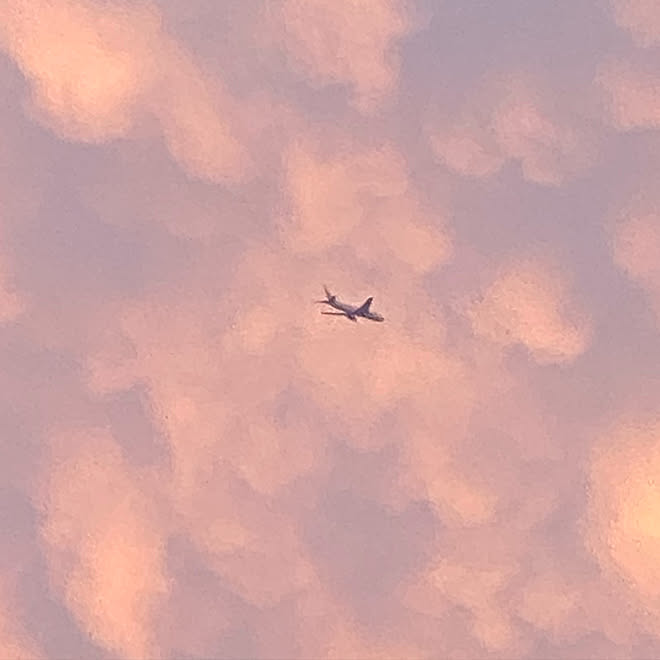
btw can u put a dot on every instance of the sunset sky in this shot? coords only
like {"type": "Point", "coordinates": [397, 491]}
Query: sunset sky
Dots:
{"type": "Point", "coordinates": [196, 463]}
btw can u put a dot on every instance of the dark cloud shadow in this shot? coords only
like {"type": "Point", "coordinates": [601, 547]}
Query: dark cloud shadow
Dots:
{"type": "Point", "coordinates": [363, 550]}
{"type": "Point", "coordinates": [39, 609]}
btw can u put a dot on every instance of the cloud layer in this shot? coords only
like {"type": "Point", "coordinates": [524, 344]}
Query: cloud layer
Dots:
{"type": "Point", "coordinates": [200, 464]}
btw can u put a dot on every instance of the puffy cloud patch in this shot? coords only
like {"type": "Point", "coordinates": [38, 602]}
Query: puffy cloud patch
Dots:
{"type": "Point", "coordinates": [635, 244]}
{"type": "Point", "coordinates": [512, 119]}
{"type": "Point", "coordinates": [631, 95]}
{"type": "Point", "coordinates": [349, 198]}
{"type": "Point", "coordinates": [640, 17]}
{"type": "Point", "coordinates": [621, 522]}
{"type": "Point", "coordinates": [347, 42]}
{"type": "Point", "coordinates": [104, 540]}
{"type": "Point", "coordinates": [99, 72]}
{"type": "Point", "coordinates": [530, 303]}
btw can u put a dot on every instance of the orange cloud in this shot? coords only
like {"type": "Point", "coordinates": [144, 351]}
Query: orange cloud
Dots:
{"type": "Point", "coordinates": [552, 603]}
{"type": "Point", "coordinates": [111, 363]}
{"type": "Point", "coordinates": [232, 541]}
{"type": "Point", "coordinates": [511, 119]}
{"type": "Point", "coordinates": [229, 454]}
{"type": "Point", "coordinates": [345, 199]}
{"type": "Point", "coordinates": [640, 17]}
{"type": "Point", "coordinates": [104, 545]}
{"type": "Point", "coordinates": [621, 524]}
{"type": "Point", "coordinates": [410, 238]}
{"type": "Point", "coordinates": [232, 453]}
{"type": "Point", "coordinates": [325, 196]}
{"type": "Point", "coordinates": [350, 641]}
{"type": "Point", "coordinates": [475, 587]}
{"type": "Point", "coordinates": [264, 568]}
{"type": "Point", "coordinates": [468, 147]}
{"type": "Point", "coordinates": [529, 303]}
{"type": "Point", "coordinates": [11, 303]}
{"type": "Point", "coordinates": [97, 72]}
{"type": "Point", "coordinates": [88, 66]}
{"type": "Point", "coordinates": [15, 641]}
{"type": "Point", "coordinates": [632, 96]}
{"type": "Point", "coordinates": [271, 455]}
{"type": "Point", "coordinates": [549, 151]}
{"type": "Point", "coordinates": [636, 247]}
{"type": "Point", "coordinates": [200, 122]}
{"type": "Point", "coordinates": [347, 42]}
{"type": "Point", "coordinates": [335, 633]}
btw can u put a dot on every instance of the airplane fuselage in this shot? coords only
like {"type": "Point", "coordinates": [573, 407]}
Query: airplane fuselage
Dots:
{"type": "Point", "coordinates": [351, 311]}
{"type": "Point", "coordinates": [343, 307]}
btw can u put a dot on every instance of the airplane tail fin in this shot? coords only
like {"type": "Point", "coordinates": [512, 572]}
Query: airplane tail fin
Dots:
{"type": "Point", "coordinates": [330, 298]}
{"type": "Point", "coordinates": [364, 308]}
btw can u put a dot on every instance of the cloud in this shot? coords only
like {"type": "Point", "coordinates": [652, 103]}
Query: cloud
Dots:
{"type": "Point", "coordinates": [512, 118]}
{"type": "Point", "coordinates": [325, 198]}
{"type": "Point", "coordinates": [635, 244]}
{"type": "Point", "coordinates": [226, 445]}
{"type": "Point", "coordinates": [344, 42]}
{"type": "Point", "coordinates": [199, 463]}
{"type": "Point", "coordinates": [243, 426]}
{"type": "Point", "coordinates": [453, 584]}
{"type": "Point", "coordinates": [529, 303]}
{"type": "Point", "coordinates": [348, 197]}
{"type": "Point", "coordinates": [468, 147]}
{"type": "Point", "coordinates": [621, 521]}
{"type": "Point", "coordinates": [639, 17]}
{"type": "Point", "coordinates": [13, 301]}
{"type": "Point", "coordinates": [550, 602]}
{"type": "Point", "coordinates": [12, 304]}
{"type": "Point", "coordinates": [85, 79]}
{"type": "Point", "coordinates": [239, 425]}
{"type": "Point", "coordinates": [200, 122]}
{"type": "Point", "coordinates": [104, 543]}
{"type": "Point", "coordinates": [15, 641]}
{"type": "Point", "coordinates": [632, 95]}
{"type": "Point", "coordinates": [111, 364]}
{"type": "Point", "coordinates": [100, 72]}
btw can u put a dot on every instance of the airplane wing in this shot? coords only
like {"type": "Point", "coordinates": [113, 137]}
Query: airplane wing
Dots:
{"type": "Point", "coordinates": [348, 316]}
{"type": "Point", "coordinates": [364, 308]}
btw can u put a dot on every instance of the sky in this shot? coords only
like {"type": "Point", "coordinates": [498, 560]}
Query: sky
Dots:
{"type": "Point", "coordinates": [196, 462]}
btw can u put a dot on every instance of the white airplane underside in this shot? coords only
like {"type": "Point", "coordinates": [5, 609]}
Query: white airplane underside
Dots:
{"type": "Point", "coordinates": [351, 312]}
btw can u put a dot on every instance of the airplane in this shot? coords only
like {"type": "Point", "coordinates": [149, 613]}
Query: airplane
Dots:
{"type": "Point", "coordinates": [349, 311]}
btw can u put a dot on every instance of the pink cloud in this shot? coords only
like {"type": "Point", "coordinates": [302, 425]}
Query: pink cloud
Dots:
{"type": "Point", "coordinates": [636, 247]}
{"type": "Point", "coordinates": [199, 463]}
{"type": "Point", "coordinates": [529, 303]}
{"type": "Point", "coordinates": [343, 198]}
{"type": "Point", "coordinates": [632, 96]}
{"type": "Point", "coordinates": [12, 304]}
{"type": "Point", "coordinates": [15, 641]}
{"type": "Point", "coordinates": [104, 545]}
{"type": "Point", "coordinates": [343, 42]}
{"type": "Point", "coordinates": [620, 524]}
{"type": "Point", "coordinates": [640, 17]}
{"type": "Point", "coordinates": [512, 118]}
{"type": "Point", "coordinates": [98, 73]}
